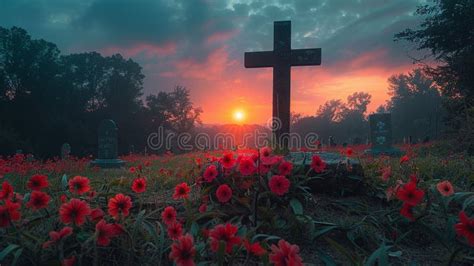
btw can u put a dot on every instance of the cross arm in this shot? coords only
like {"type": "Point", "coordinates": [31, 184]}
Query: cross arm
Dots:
{"type": "Point", "coordinates": [306, 57]}
{"type": "Point", "coordinates": [258, 59]}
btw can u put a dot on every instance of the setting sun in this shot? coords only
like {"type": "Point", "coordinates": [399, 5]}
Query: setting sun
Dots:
{"type": "Point", "coordinates": [239, 116]}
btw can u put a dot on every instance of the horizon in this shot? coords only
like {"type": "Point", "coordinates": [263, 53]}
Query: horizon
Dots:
{"type": "Point", "coordinates": [359, 53]}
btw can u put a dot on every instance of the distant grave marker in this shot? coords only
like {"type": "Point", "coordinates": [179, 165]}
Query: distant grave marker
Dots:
{"type": "Point", "coordinates": [381, 135]}
{"type": "Point", "coordinates": [108, 146]}
{"type": "Point", "coordinates": [65, 151]}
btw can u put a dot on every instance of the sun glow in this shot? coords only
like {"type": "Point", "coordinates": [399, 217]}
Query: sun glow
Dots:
{"type": "Point", "coordinates": [239, 116]}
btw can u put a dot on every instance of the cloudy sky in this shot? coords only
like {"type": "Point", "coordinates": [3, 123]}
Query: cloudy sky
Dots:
{"type": "Point", "coordinates": [200, 44]}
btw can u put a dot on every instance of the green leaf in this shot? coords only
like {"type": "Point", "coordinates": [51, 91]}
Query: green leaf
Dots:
{"type": "Point", "coordinates": [16, 256]}
{"type": "Point", "coordinates": [194, 229]}
{"type": "Point", "coordinates": [7, 251]}
{"type": "Point", "coordinates": [468, 202]}
{"type": "Point", "coordinates": [380, 255]}
{"type": "Point", "coordinates": [296, 206]}
{"type": "Point", "coordinates": [64, 182]}
{"type": "Point", "coordinates": [324, 231]}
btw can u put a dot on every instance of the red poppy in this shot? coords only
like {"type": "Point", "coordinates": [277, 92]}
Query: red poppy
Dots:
{"type": "Point", "coordinates": [265, 152]}
{"type": "Point", "coordinates": [104, 232]}
{"type": "Point", "coordinates": [97, 214]}
{"type": "Point", "coordinates": [317, 164]}
{"type": "Point", "coordinates": [57, 236]}
{"type": "Point", "coordinates": [38, 200]}
{"type": "Point", "coordinates": [132, 170]}
{"type": "Point", "coordinates": [181, 191]}
{"type": "Point", "coordinates": [119, 205]}
{"type": "Point", "coordinates": [407, 211]}
{"type": "Point", "coordinates": [255, 248]}
{"type": "Point", "coordinates": [139, 185]}
{"type": "Point", "coordinates": [404, 159]}
{"type": "Point", "coordinates": [175, 230]}
{"type": "Point", "coordinates": [79, 185]}
{"type": "Point", "coordinates": [465, 227]}
{"type": "Point", "coordinates": [69, 261]}
{"type": "Point", "coordinates": [285, 254]}
{"type": "Point", "coordinates": [228, 160]}
{"type": "Point", "coordinates": [202, 208]}
{"type": "Point", "coordinates": [247, 166]}
{"type": "Point", "coordinates": [210, 173]}
{"type": "Point", "coordinates": [445, 188]}
{"type": "Point", "coordinates": [225, 233]}
{"type": "Point", "coordinates": [279, 185]}
{"type": "Point", "coordinates": [285, 168]}
{"type": "Point", "coordinates": [349, 152]}
{"type": "Point", "coordinates": [410, 194]}
{"type": "Point", "coordinates": [223, 193]}
{"type": "Point", "coordinates": [37, 182]}
{"type": "Point", "coordinates": [9, 213]}
{"type": "Point", "coordinates": [7, 191]}
{"type": "Point", "coordinates": [169, 215]}
{"type": "Point", "coordinates": [386, 173]}
{"type": "Point", "coordinates": [63, 198]}
{"type": "Point", "coordinates": [147, 164]}
{"type": "Point", "coordinates": [75, 211]}
{"type": "Point", "coordinates": [183, 251]}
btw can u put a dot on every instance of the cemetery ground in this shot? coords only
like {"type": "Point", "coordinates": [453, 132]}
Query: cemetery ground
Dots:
{"type": "Point", "coordinates": [241, 208]}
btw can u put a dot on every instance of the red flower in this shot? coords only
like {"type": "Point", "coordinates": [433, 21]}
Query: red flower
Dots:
{"type": "Point", "coordinates": [285, 254]}
{"type": "Point", "coordinates": [132, 170]}
{"type": "Point", "coordinates": [7, 191]}
{"type": "Point", "coordinates": [120, 204]}
{"type": "Point", "coordinates": [386, 173]}
{"type": "Point", "coordinates": [210, 173]}
{"type": "Point", "coordinates": [226, 234]}
{"type": "Point", "coordinates": [223, 193]}
{"type": "Point", "coordinates": [317, 164]}
{"type": "Point", "coordinates": [69, 261]}
{"type": "Point", "coordinates": [181, 191]}
{"type": "Point", "coordinates": [9, 212]}
{"type": "Point", "coordinates": [168, 215]}
{"type": "Point", "coordinates": [139, 185]}
{"type": "Point", "coordinates": [349, 152]}
{"type": "Point", "coordinates": [285, 168]}
{"type": "Point", "coordinates": [97, 214]}
{"type": "Point", "coordinates": [79, 185]}
{"type": "Point", "coordinates": [38, 182]}
{"type": "Point", "coordinates": [104, 232]}
{"type": "Point", "coordinates": [255, 248]}
{"type": "Point", "coordinates": [247, 166]}
{"type": "Point", "coordinates": [57, 236]}
{"type": "Point", "coordinates": [279, 185]}
{"type": "Point", "coordinates": [445, 188]}
{"type": "Point", "coordinates": [38, 200]}
{"type": "Point", "coordinates": [410, 194]}
{"type": "Point", "coordinates": [63, 198]}
{"type": "Point", "coordinates": [228, 160]}
{"type": "Point", "coordinates": [407, 211]}
{"type": "Point", "coordinates": [265, 152]}
{"type": "Point", "coordinates": [466, 227]}
{"type": "Point", "coordinates": [75, 211]}
{"type": "Point", "coordinates": [183, 251]}
{"type": "Point", "coordinates": [404, 159]}
{"type": "Point", "coordinates": [175, 230]}
{"type": "Point", "coordinates": [203, 208]}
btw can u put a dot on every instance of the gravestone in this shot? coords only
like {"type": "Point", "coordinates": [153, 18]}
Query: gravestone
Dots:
{"type": "Point", "coordinates": [65, 151]}
{"type": "Point", "coordinates": [381, 135]}
{"type": "Point", "coordinates": [108, 146]}
{"type": "Point", "coordinates": [281, 59]}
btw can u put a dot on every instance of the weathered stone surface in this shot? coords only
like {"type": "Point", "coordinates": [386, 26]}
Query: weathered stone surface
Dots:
{"type": "Point", "coordinates": [381, 135]}
{"type": "Point", "coordinates": [108, 146]}
{"type": "Point", "coordinates": [343, 175]}
{"type": "Point", "coordinates": [65, 151]}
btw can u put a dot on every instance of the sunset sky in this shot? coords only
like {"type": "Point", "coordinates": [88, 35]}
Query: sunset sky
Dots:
{"type": "Point", "coordinates": [200, 44]}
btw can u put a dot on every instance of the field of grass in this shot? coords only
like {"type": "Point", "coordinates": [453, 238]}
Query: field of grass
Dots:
{"type": "Point", "coordinates": [404, 214]}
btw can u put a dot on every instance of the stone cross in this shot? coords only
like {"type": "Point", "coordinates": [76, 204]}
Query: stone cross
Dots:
{"type": "Point", "coordinates": [282, 58]}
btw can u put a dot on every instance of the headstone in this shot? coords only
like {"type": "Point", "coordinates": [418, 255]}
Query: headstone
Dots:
{"type": "Point", "coordinates": [65, 151]}
{"type": "Point", "coordinates": [281, 59]}
{"type": "Point", "coordinates": [108, 146]}
{"type": "Point", "coordinates": [332, 141]}
{"type": "Point", "coordinates": [381, 135]}
{"type": "Point", "coordinates": [342, 174]}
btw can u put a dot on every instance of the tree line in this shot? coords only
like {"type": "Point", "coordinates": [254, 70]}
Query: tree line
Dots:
{"type": "Point", "coordinates": [47, 99]}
